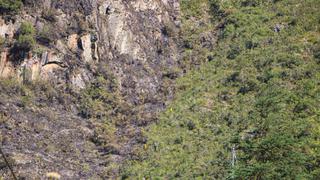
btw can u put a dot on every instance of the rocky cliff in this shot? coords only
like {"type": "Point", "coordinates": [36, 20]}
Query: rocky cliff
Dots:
{"type": "Point", "coordinates": [124, 34]}
{"type": "Point", "coordinates": [50, 110]}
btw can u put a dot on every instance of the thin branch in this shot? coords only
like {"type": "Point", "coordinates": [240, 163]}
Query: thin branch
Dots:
{"type": "Point", "coordinates": [8, 164]}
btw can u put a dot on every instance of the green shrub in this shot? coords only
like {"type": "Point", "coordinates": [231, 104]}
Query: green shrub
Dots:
{"type": "Point", "coordinates": [26, 42]}
{"type": "Point", "coordinates": [26, 38]}
{"type": "Point", "coordinates": [26, 28]}
{"type": "Point", "coordinates": [10, 6]}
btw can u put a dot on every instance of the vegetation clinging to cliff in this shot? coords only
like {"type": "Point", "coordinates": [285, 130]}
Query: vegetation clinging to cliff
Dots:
{"type": "Point", "coordinates": [26, 38]}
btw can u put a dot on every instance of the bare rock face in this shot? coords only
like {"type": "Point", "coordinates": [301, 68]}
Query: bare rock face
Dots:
{"type": "Point", "coordinates": [136, 38]}
{"type": "Point", "coordinates": [135, 41]}
{"type": "Point", "coordinates": [6, 68]}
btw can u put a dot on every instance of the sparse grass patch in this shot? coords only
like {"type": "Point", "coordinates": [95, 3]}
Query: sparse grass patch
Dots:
{"type": "Point", "coordinates": [97, 101]}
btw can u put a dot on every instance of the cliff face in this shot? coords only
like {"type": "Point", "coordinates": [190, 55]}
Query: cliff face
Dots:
{"type": "Point", "coordinates": [134, 43]}
{"type": "Point", "coordinates": [125, 34]}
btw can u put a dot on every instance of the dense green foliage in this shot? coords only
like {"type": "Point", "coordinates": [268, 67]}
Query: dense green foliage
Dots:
{"type": "Point", "coordinates": [253, 112]}
{"type": "Point", "coordinates": [10, 5]}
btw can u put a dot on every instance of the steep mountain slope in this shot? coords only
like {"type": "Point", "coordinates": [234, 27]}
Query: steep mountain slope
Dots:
{"type": "Point", "coordinates": [252, 112]}
{"type": "Point", "coordinates": [79, 78]}
{"type": "Point", "coordinates": [83, 84]}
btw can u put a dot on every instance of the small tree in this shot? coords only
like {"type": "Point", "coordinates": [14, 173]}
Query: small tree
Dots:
{"type": "Point", "coordinates": [26, 37]}
{"type": "Point", "coordinates": [26, 42]}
